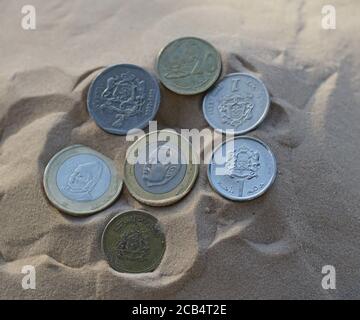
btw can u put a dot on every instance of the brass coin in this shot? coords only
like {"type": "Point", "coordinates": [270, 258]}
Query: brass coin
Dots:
{"type": "Point", "coordinates": [188, 65]}
{"type": "Point", "coordinates": [81, 181]}
{"type": "Point", "coordinates": [133, 242]}
{"type": "Point", "coordinates": [160, 168]}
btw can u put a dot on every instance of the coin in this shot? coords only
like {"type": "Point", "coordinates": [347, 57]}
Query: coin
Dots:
{"type": "Point", "coordinates": [188, 65]}
{"type": "Point", "coordinates": [239, 102]}
{"type": "Point", "coordinates": [123, 97]}
{"type": "Point", "coordinates": [160, 168]}
{"type": "Point", "coordinates": [81, 181]}
{"type": "Point", "coordinates": [242, 168]}
{"type": "Point", "coordinates": [133, 242]}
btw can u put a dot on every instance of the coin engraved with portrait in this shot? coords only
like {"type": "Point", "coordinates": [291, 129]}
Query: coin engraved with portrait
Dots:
{"type": "Point", "coordinates": [160, 168]}
{"type": "Point", "coordinates": [81, 181]}
{"type": "Point", "coordinates": [83, 178]}
{"type": "Point", "coordinates": [162, 171]}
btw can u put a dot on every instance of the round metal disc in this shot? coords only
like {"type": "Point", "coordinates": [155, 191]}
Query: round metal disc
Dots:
{"type": "Point", "coordinates": [160, 168]}
{"type": "Point", "coordinates": [133, 242]}
{"type": "Point", "coordinates": [123, 97]}
{"type": "Point", "coordinates": [188, 65]}
{"type": "Point", "coordinates": [81, 181]}
{"type": "Point", "coordinates": [239, 102]}
{"type": "Point", "coordinates": [242, 168]}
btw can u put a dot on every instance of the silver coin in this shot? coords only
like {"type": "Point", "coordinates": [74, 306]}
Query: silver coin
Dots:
{"type": "Point", "coordinates": [239, 102]}
{"type": "Point", "coordinates": [123, 97]}
{"type": "Point", "coordinates": [164, 168]}
{"type": "Point", "coordinates": [242, 168]}
{"type": "Point", "coordinates": [159, 176]}
{"type": "Point", "coordinates": [81, 181]}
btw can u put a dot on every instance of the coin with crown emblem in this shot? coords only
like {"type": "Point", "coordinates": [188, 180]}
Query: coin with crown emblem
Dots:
{"type": "Point", "coordinates": [81, 181]}
{"type": "Point", "coordinates": [123, 97]}
{"type": "Point", "coordinates": [160, 168]}
{"type": "Point", "coordinates": [133, 242]}
{"type": "Point", "coordinates": [239, 102]}
{"type": "Point", "coordinates": [242, 168]}
{"type": "Point", "coordinates": [188, 65]}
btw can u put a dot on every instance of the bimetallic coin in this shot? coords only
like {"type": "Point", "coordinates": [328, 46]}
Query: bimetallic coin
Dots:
{"type": "Point", "coordinates": [188, 65]}
{"type": "Point", "coordinates": [81, 181]}
{"type": "Point", "coordinates": [242, 168]}
{"type": "Point", "coordinates": [160, 168]}
{"type": "Point", "coordinates": [239, 102]}
{"type": "Point", "coordinates": [123, 97]}
{"type": "Point", "coordinates": [133, 242]}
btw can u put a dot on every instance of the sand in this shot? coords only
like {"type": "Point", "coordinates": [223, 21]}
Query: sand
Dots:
{"type": "Point", "coordinates": [271, 247]}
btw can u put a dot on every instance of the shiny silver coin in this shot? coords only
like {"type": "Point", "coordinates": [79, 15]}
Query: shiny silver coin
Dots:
{"type": "Point", "coordinates": [81, 181]}
{"type": "Point", "coordinates": [123, 97]}
{"type": "Point", "coordinates": [242, 168]}
{"type": "Point", "coordinates": [239, 102]}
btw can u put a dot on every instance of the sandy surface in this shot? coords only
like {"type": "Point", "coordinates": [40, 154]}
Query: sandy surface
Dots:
{"type": "Point", "coordinates": [272, 247]}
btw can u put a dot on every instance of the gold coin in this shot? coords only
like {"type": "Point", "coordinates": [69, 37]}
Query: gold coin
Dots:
{"type": "Point", "coordinates": [188, 65]}
{"type": "Point", "coordinates": [81, 181]}
{"type": "Point", "coordinates": [134, 242]}
{"type": "Point", "coordinates": [160, 168]}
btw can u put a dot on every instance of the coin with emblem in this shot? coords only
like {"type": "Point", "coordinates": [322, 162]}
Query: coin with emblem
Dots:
{"type": "Point", "coordinates": [160, 168]}
{"type": "Point", "coordinates": [123, 97]}
{"type": "Point", "coordinates": [81, 181]}
{"type": "Point", "coordinates": [188, 65]}
{"type": "Point", "coordinates": [133, 242]}
{"type": "Point", "coordinates": [239, 102]}
{"type": "Point", "coordinates": [242, 168]}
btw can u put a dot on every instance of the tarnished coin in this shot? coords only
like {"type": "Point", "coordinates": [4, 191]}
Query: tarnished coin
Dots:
{"type": "Point", "coordinates": [188, 65]}
{"type": "Point", "coordinates": [81, 181]}
{"type": "Point", "coordinates": [242, 168]}
{"type": "Point", "coordinates": [123, 97]}
{"type": "Point", "coordinates": [160, 168]}
{"type": "Point", "coordinates": [239, 102]}
{"type": "Point", "coordinates": [133, 242]}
